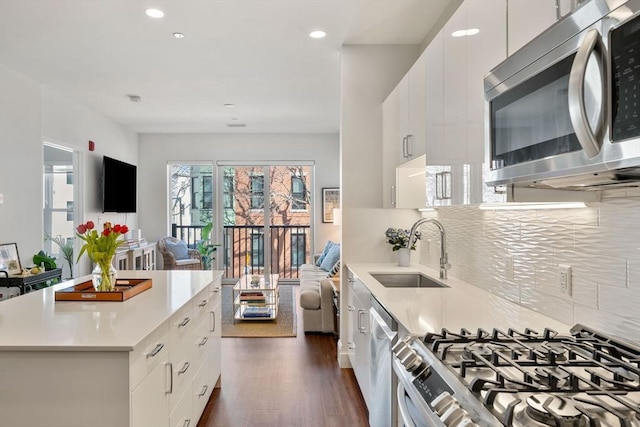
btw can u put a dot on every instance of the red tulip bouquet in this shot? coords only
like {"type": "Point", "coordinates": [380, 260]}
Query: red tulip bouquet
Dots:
{"type": "Point", "coordinates": [101, 247]}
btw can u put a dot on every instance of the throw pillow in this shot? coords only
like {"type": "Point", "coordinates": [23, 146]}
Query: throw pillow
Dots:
{"type": "Point", "coordinates": [324, 252]}
{"type": "Point", "coordinates": [332, 257]}
{"type": "Point", "coordinates": [334, 270]}
{"type": "Point", "coordinates": [178, 249]}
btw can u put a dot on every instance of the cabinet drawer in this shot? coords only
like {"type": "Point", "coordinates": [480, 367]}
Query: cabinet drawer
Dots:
{"type": "Point", "coordinates": [181, 416]}
{"type": "Point", "coordinates": [181, 326]}
{"type": "Point", "coordinates": [202, 341]}
{"type": "Point", "coordinates": [180, 381]}
{"type": "Point", "coordinates": [202, 303]}
{"type": "Point", "coordinates": [148, 353]}
{"type": "Point", "coordinates": [202, 387]}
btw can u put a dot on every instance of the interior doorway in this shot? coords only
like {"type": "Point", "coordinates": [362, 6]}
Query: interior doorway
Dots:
{"type": "Point", "coordinates": [60, 204]}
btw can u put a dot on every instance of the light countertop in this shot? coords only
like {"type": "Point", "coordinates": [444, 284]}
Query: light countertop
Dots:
{"type": "Point", "coordinates": [461, 305]}
{"type": "Point", "coordinates": [35, 321]}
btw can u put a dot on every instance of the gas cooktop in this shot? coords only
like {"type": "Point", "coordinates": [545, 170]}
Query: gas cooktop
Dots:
{"type": "Point", "coordinates": [526, 378]}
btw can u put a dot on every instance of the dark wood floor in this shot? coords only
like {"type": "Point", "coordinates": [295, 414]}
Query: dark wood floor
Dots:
{"type": "Point", "coordinates": [268, 382]}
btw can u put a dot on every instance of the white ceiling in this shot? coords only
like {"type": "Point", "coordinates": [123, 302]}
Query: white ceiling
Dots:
{"type": "Point", "coordinates": [253, 53]}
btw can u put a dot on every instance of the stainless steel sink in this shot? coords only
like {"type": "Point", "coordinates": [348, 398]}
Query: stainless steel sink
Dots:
{"type": "Point", "coordinates": [407, 280]}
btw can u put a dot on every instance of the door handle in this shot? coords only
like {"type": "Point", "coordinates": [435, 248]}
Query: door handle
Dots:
{"type": "Point", "coordinates": [589, 140]}
{"type": "Point", "coordinates": [410, 143]}
{"type": "Point", "coordinates": [361, 328]}
{"type": "Point", "coordinates": [169, 372]}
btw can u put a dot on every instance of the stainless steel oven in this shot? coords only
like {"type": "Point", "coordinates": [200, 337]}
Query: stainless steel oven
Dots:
{"type": "Point", "coordinates": [564, 111]}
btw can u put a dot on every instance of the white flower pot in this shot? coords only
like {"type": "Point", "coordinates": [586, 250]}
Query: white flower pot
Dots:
{"type": "Point", "coordinates": [404, 257]}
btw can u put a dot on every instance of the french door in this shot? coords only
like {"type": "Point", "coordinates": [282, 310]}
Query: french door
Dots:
{"type": "Point", "coordinates": [266, 218]}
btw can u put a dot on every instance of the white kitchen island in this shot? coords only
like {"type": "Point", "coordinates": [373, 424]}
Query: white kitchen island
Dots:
{"type": "Point", "coordinates": [150, 361]}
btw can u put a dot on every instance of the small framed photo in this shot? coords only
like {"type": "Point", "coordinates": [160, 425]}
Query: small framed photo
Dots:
{"type": "Point", "coordinates": [330, 201]}
{"type": "Point", "coordinates": [9, 258]}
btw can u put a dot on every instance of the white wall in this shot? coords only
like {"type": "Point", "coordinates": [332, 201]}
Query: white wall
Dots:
{"type": "Point", "coordinates": [29, 115]}
{"type": "Point", "coordinates": [20, 163]}
{"type": "Point", "coordinates": [601, 243]}
{"type": "Point", "coordinates": [156, 150]}
{"type": "Point", "coordinates": [368, 73]}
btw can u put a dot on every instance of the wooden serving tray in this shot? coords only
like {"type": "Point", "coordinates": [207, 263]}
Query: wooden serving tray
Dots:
{"type": "Point", "coordinates": [125, 289]}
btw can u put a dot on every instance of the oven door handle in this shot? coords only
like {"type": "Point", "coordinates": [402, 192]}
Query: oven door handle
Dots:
{"type": "Point", "coordinates": [590, 141]}
{"type": "Point", "coordinates": [403, 411]}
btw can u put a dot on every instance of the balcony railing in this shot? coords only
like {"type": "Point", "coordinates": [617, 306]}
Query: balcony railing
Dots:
{"type": "Point", "coordinates": [243, 248]}
{"type": "Point", "coordinates": [190, 234]}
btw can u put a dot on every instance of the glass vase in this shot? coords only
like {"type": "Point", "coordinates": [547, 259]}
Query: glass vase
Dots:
{"type": "Point", "coordinates": [104, 276]}
{"type": "Point", "coordinates": [404, 257]}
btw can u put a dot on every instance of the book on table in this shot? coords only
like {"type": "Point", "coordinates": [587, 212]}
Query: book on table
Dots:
{"type": "Point", "coordinates": [257, 312]}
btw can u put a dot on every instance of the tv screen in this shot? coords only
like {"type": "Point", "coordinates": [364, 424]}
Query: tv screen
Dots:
{"type": "Point", "coordinates": [119, 185]}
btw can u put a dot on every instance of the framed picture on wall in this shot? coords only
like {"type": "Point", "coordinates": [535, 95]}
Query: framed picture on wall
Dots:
{"type": "Point", "coordinates": [9, 258]}
{"type": "Point", "coordinates": [330, 201]}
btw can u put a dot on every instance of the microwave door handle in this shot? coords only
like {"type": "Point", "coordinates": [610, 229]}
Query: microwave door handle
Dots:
{"type": "Point", "coordinates": [577, 110]}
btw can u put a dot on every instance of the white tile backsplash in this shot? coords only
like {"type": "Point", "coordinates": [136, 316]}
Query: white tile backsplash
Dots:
{"type": "Point", "coordinates": [600, 242]}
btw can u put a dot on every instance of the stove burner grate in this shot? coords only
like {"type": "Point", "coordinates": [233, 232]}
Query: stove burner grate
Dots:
{"type": "Point", "coordinates": [553, 411]}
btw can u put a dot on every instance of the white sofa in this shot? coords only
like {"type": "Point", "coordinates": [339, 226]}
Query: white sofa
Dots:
{"type": "Point", "coordinates": [316, 299]}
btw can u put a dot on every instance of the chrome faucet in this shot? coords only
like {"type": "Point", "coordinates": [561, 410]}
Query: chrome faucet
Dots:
{"type": "Point", "coordinates": [444, 258]}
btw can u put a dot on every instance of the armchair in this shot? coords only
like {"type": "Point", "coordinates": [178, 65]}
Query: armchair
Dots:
{"type": "Point", "coordinates": [192, 260]}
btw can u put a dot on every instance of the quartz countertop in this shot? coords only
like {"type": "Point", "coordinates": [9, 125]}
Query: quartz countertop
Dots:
{"type": "Point", "coordinates": [461, 305]}
{"type": "Point", "coordinates": [37, 322]}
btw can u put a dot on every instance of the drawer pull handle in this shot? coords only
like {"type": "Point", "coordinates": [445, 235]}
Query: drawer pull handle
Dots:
{"type": "Point", "coordinates": [351, 308]}
{"type": "Point", "coordinates": [203, 341]}
{"type": "Point", "coordinates": [204, 390]}
{"type": "Point", "coordinates": [185, 368]}
{"type": "Point", "coordinates": [184, 322]}
{"type": "Point", "coordinates": [216, 289]}
{"type": "Point", "coordinates": [186, 423]}
{"type": "Point", "coordinates": [203, 303]}
{"type": "Point", "coordinates": [155, 351]}
{"type": "Point", "coordinates": [170, 366]}
{"type": "Point", "coordinates": [351, 346]}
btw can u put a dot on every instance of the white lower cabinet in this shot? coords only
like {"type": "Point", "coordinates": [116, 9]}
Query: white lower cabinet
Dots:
{"type": "Point", "coordinates": [182, 415]}
{"type": "Point", "coordinates": [359, 334]}
{"type": "Point", "coordinates": [176, 390]}
{"type": "Point", "coordinates": [152, 392]}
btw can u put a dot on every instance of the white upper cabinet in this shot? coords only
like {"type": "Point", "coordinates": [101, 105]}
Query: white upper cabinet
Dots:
{"type": "Point", "coordinates": [416, 102]}
{"type": "Point", "coordinates": [455, 70]}
{"type": "Point", "coordinates": [434, 89]}
{"type": "Point", "coordinates": [438, 107]}
{"type": "Point", "coordinates": [390, 132]}
{"type": "Point", "coordinates": [527, 19]}
{"type": "Point", "coordinates": [404, 130]}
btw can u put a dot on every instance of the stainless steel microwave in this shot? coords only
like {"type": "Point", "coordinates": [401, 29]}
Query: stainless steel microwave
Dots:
{"type": "Point", "coordinates": [564, 111]}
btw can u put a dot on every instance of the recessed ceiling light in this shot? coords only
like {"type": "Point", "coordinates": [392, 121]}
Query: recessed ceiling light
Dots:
{"type": "Point", "coordinates": [317, 34]}
{"type": "Point", "coordinates": [230, 105]}
{"type": "Point", "coordinates": [154, 13]}
{"type": "Point", "coordinates": [178, 35]}
{"type": "Point", "coordinates": [463, 33]}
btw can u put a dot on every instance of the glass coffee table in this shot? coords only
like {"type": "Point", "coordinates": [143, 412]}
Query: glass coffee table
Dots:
{"type": "Point", "coordinates": [254, 299]}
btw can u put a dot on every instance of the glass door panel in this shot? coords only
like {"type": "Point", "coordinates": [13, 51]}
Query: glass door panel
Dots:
{"type": "Point", "coordinates": [266, 241]}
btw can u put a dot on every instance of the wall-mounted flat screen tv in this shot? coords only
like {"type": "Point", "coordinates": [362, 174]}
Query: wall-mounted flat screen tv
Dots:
{"type": "Point", "coordinates": [119, 184]}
